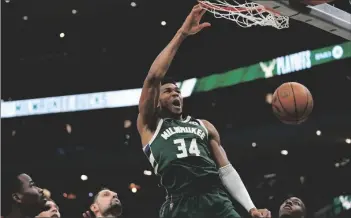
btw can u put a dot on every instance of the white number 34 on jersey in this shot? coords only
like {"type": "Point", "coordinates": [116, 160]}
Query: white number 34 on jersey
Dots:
{"type": "Point", "coordinates": [193, 148]}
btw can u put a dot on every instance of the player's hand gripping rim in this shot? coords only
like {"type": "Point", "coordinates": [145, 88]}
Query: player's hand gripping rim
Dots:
{"type": "Point", "coordinates": [192, 23]}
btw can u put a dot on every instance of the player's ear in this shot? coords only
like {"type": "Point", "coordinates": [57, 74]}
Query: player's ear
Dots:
{"type": "Point", "coordinates": [16, 197]}
{"type": "Point", "coordinates": [158, 103]}
{"type": "Point", "coordinates": [94, 208]}
{"type": "Point", "coordinates": [158, 107]}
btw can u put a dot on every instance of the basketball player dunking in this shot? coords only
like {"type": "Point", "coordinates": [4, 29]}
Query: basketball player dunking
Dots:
{"type": "Point", "coordinates": [186, 152]}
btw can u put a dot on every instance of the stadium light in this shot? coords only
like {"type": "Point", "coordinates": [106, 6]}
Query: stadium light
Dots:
{"type": "Point", "coordinates": [84, 177]}
{"type": "Point", "coordinates": [284, 152]}
{"type": "Point", "coordinates": [147, 172]}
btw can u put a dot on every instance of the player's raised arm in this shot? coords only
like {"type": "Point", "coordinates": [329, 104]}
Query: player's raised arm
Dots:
{"type": "Point", "coordinates": [229, 176]}
{"type": "Point", "coordinates": [149, 96]}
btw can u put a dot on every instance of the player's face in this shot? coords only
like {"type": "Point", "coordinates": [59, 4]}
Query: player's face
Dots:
{"type": "Point", "coordinates": [171, 99]}
{"type": "Point", "coordinates": [292, 207]}
{"type": "Point", "coordinates": [30, 195]}
{"type": "Point", "coordinates": [108, 203]}
{"type": "Point", "coordinates": [51, 210]}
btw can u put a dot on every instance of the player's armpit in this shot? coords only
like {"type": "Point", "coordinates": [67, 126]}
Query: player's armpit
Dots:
{"type": "Point", "coordinates": [218, 152]}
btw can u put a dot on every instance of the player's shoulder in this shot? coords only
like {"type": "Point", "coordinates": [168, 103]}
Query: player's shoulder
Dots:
{"type": "Point", "coordinates": [209, 126]}
{"type": "Point", "coordinates": [205, 122]}
{"type": "Point", "coordinates": [198, 121]}
{"type": "Point", "coordinates": [195, 122]}
{"type": "Point", "coordinates": [192, 120]}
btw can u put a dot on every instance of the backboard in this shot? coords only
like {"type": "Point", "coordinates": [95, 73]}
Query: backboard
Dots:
{"type": "Point", "coordinates": [324, 16]}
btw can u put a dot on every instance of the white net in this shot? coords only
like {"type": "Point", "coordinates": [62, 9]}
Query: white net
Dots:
{"type": "Point", "coordinates": [246, 15]}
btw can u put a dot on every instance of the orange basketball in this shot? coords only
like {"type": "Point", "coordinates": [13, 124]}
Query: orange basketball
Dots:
{"type": "Point", "coordinates": [292, 103]}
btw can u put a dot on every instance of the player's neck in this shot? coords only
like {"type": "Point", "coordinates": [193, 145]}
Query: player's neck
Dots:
{"type": "Point", "coordinates": [20, 212]}
{"type": "Point", "coordinates": [15, 213]}
{"type": "Point", "coordinates": [165, 114]}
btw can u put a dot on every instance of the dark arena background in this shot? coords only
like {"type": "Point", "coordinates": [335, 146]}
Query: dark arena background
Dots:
{"type": "Point", "coordinates": [62, 49]}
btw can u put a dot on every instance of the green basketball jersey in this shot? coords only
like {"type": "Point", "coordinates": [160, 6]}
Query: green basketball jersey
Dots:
{"type": "Point", "coordinates": [179, 153]}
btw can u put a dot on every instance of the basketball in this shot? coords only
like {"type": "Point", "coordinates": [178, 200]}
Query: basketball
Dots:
{"type": "Point", "coordinates": [292, 103]}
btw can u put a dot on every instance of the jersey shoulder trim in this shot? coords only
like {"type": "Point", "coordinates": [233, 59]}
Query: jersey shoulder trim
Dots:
{"type": "Point", "coordinates": [158, 128]}
{"type": "Point", "coordinates": [187, 119]}
{"type": "Point", "coordinates": [203, 125]}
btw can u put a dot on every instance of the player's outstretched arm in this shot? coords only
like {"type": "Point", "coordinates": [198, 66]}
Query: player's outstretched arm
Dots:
{"type": "Point", "coordinates": [229, 176]}
{"type": "Point", "coordinates": [150, 92]}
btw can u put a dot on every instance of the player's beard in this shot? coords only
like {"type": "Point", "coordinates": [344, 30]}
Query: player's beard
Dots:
{"type": "Point", "coordinates": [169, 113]}
{"type": "Point", "coordinates": [114, 209]}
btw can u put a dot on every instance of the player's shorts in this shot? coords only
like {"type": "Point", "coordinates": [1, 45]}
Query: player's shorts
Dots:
{"type": "Point", "coordinates": [212, 204]}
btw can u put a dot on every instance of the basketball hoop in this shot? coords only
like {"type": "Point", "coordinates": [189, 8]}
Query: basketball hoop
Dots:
{"type": "Point", "coordinates": [246, 15]}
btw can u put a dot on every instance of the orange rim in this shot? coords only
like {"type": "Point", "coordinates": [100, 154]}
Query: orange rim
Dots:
{"type": "Point", "coordinates": [239, 10]}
